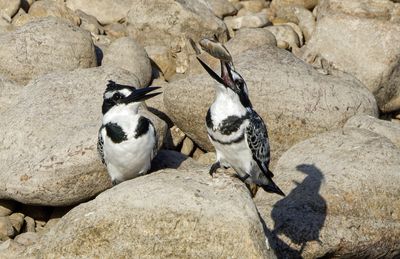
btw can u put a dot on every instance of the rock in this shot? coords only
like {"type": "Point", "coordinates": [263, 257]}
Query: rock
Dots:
{"type": "Point", "coordinates": [39, 226]}
{"type": "Point", "coordinates": [105, 11]}
{"type": "Point", "coordinates": [285, 35]}
{"type": "Point", "coordinates": [149, 215]}
{"type": "Point", "coordinates": [6, 229]}
{"type": "Point", "coordinates": [309, 4]}
{"type": "Point", "coordinates": [341, 198]}
{"type": "Point", "coordinates": [51, 223]}
{"type": "Point", "coordinates": [177, 137]}
{"type": "Point", "coordinates": [301, 16]}
{"type": "Point", "coordinates": [45, 8]}
{"type": "Point", "coordinates": [163, 59]}
{"type": "Point", "coordinates": [187, 146]}
{"type": "Point", "coordinates": [254, 6]}
{"type": "Point", "coordinates": [170, 23]}
{"type": "Point", "coordinates": [64, 108]}
{"type": "Point", "coordinates": [116, 30]}
{"type": "Point", "coordinates": [25, 52]}
{"type": "Point", "coordinates": [222, 8]}
{"type": "Point", "coordinates": [11, 249]}
{"type": "Point", "coordinates": [256, 20]}
{"type": "Point", "coordinates": [27, 238]}
{"type": "Point", "coordinates": [29, 225]}
{"type": "Point", "coordinates": [7, 207]}
{"type": "Point", "coordinates": [207, 158]}
{"type": "Point", "coordinates": [250, 38]}
{"type": "Point", "coordinates": [9, 7]}
{"type": "Point", "coordinates": [127, 54]}
{"type": "Point", "coordinates": [342, 28]}
{"type": "Point", "coordinates": [389, 129]}
{"type": "Point", "coordinates": [197, 153]}
{"type": "Point", "coordinates": [89, 23]}
{"type": "Point", "coordinates": [295, 101]}
{"type": "Point", "coordinates": [172, 159]}
{"type": "Point", "coordinates": [17, 221]}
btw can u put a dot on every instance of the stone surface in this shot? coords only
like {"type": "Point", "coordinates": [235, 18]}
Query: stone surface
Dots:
{"type": "Point", "coordinates": [128, 54]}
{"type": "Point", "coordinates": [7, 207]}
{"type": "Point", "coordinates": [25, 52]}
{"type": "Point", "coordinates": [89, 22]}
{"type": "Point", "coordinates": [295, 101]}
{"type": "Point", "coordinates": [309, 4]}
{"type": "Point", "coordinates": [342, 190]}
{"type": "Point", "coordinates": [149, 216]}
{"type": "Point", "coordinates": [163, 60]}
{"type": "Point", "coordinates": [256, 20]}
{"type": "Point", "coordinates": [177, 137]}
{"type": "Point", "coordinates": [389, 129]}
{"type": "Point", "coordinates": [29, 225]}
{"type": "Point", "coordinates": [207, 158]}
{"type": "Point", "coordinates": [254, 6]}
{"type": "Point", "coordinates": [170, 23]}
{"type": "Point", "coordinates": [187, 146]}
{"type": "Point", "coordinates": [45, 8]}
{"type": "Point", "coordinates": [57, 163]}
{"type": "Point", "coordinates": [6, 229]}
{"type": "Point", "coordinates": [27, 238]}
{"type": "Point", "coordinates": [301, 16]}
{"type": "Point", "coordinates": [222, 8]}
{"type": "Point", "coordinates": [17, 221]}
{"type": "Point", "coordinates": [9, 7]}
{"type": "Point", "coordinates": [285, 36]}
{"type": "Point", "coordinates": [375, 25]}
{"type": "Point", "coordinates": [104, 10]}
{"type": "Point", "coordinates": [11, 249]}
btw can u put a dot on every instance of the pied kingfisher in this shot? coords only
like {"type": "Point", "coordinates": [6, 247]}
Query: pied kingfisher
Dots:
{"type": "Point", "coordinates": [127, 141]}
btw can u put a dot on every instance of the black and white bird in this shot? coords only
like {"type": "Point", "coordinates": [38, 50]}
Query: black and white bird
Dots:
{"type": "Point", "coordinates": [127, 141]}
{"type": "Point", "coordinates": [237, 132]}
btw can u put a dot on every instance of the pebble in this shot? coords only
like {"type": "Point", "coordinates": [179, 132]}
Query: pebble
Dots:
{"type": "Point", "coordinates": [17, 221]}
{"type": "Point", "coordinates": [187, 146]}
{"type": "Point", "coordinates": [27, 238]}
{"type": "Point", "coordinates": [29, 225]}
{"type": "Point", "coordinates": [6, 228]}
{"type": "Point", "coordinates": [7, 207]}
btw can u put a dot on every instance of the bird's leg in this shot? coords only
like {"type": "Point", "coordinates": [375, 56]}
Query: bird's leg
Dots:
{"type": "Point", "coordinates": [214, 168]}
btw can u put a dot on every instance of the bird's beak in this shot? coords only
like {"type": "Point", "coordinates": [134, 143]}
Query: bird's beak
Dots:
{"type": "Point", "coordinates": [225, 78]}
{"type": "Point", "coordinates": [142, 94]}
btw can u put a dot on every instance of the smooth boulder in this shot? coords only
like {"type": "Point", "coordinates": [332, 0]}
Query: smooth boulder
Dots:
{"type": "Point", "coordinates": [295, 101]}
{"type": "Point", "coordinates": [360, 37]}
{"type": "Point", "coordinates": [49, 145]}
{"type": "Point", "coordinates": [43, 46]}
{"type": "Point", "coordinates": [342, 198]}
{"type": "Point", "coordinates": [169, 213]}
{"type": "Point", "coordinates": [126, 53]}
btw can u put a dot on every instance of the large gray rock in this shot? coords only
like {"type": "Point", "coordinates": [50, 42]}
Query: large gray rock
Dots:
{"type": "Point", "coordinates": [128, 54]}
{"type": "Point", "coordinates": [389, 129]}
{"type": "Point", "coordinates": [179, 214]}
{"type": "Point", "coordinates": [43, 46]}
{"type": "Point", "coordinates": [342, 198]}
{"type": "Point", "coordinates": [221, 8]}
{"type": "Point", "coordinates": [48, 145]}
{"type": "Point", "coordinates": [360, 37]}
{"type": "Point", "coordinates": [105, 11]}
{"type": "Point", "coordinates": [170, 23]}
{"type": "Point", "coordinates": [294, 100]}
{"type": "Point", "coordinates": [45, 8]}
{"type": "Point", "coordinates": [9, 92]}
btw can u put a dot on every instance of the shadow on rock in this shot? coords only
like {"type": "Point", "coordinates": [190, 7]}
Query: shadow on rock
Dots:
{"type": "Point", "coordinates": [168, 159]}
{"type": "Point", "coordinates": [299, 216]}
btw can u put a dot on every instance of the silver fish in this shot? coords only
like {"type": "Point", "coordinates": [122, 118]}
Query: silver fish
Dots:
{"type": "Point", "coordinates": [216, 49]}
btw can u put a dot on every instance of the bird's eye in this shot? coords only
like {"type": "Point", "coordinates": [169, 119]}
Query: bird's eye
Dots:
{"type": "Point", "coordinates": [239, 83]}
{"type": "Point", "coordinates": [118, 96]}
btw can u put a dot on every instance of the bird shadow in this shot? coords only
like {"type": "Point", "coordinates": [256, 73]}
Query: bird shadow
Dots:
{"type": "Point", "coordinates": [299, 216]}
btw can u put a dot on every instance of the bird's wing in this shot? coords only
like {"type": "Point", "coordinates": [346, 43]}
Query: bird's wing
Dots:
{"type": "Point", "coordinates": [100, 144]}
{"type": "Point", "coordinates": [257, 139]}
{"type": "Point", "coordinates": [155, 148]}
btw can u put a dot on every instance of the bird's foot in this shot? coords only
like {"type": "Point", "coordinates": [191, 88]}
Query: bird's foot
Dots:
{"type": "Point", "coordinates": [115, 182]}
{"type": "Point", "coordinates": [214, 168]}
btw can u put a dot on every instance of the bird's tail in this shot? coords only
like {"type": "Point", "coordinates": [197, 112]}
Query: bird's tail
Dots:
{"type": "Point", "coordinates": [268, 185]}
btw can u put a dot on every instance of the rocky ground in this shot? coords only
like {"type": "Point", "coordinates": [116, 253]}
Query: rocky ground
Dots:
{"type": "Point", "coordinates": [324, 75]}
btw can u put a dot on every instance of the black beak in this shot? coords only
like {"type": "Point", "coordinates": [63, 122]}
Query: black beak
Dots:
{"type": "Point", "coordinates": [225, 78]}
{"type": "Point", "coordinates": [142, 94]}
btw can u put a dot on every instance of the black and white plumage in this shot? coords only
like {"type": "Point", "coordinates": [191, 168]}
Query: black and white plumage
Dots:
{"type": "Point", "coordinates": [127, 141]}
{"type": "Point", "coordinates": [237, 132]}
